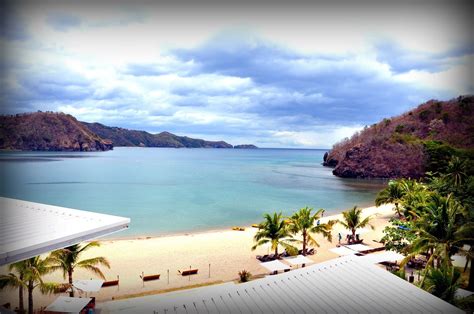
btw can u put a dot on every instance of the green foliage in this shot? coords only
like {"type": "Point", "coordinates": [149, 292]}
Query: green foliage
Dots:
{"type": "Point", "coordinates": [352, 220]}
{"type": "Point", "coordinates": [466, 303]}
{"type": "Point", "coordinates": [399, 128]}
{"type": "Point", "coordinates": [386, 122]}
{"type": "Point", "coordinates": [69, 259]}
{"type": "Point", "coordinates": [274, 231]}
{"type": "Point", "coordinates": [443, 282]}
{"type": "Point", "coordinates": [244, 275]}
{"type": "Point", "coordinates": [400, 273]}
{"type": "Point", "coordinates": [304, 222]}
{"type": "Point", "coordinates": [424, 114]}
{"type": "Point", "coordinates": [397, 239]}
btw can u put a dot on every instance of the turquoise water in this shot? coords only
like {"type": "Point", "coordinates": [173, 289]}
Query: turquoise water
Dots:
{"type": "Point", "coordinates": [178, 190]}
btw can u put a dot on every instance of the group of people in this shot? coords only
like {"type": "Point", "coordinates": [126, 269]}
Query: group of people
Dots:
{"type": "Point", "coordinates": [349, 238]}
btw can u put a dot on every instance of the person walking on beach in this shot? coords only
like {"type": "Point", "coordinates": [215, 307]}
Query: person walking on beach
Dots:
{"type": "Point", "coordinates": [340, 237]}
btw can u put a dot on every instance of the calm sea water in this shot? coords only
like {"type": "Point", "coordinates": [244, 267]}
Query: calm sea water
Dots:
{"type": "Point", "coordinates": [177, 190]}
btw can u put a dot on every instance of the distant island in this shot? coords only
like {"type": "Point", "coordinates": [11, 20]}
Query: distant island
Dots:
{"type": "Point", "coordinates": [410, 145]}
{"type": "Point", "coordinates": [245, 146]}
{"type": "Point", "coordinates": [51, 131]}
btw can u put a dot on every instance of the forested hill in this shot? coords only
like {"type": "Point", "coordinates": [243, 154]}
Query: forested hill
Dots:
{"type": "Point", "coordinates": [408, 145]}
{"type": "Point", "coordinates": [125, 137]}
{"type": "Point", "coordinates": [51, 131]}
{"type": "Point", "coordinates": [48, 131]}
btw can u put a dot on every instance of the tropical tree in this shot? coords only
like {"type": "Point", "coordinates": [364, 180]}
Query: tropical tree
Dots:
{"type": "Point", "coordinates": [414, 203]}
{"type": "Point", "coordinates": [456, 172]}
{"type": "Point", "coordinates": [35, 268]}
{"type": "Point", "coordinates": [68, 259]}
{"type": "Point", "coordinates": [393, 193]}
{"type": "Point", "coordinates": [304, 222]}
{"type": "Point", "coordinates": [16, 280]}
{"type": "Point", "coordinates": [443, 282]}
{"type": "Point", "coordinates": [442, 231]}
{"type": "Point", "coordinates": [275, 231]}
{"type": "Point", "coordinates": [352, 220]}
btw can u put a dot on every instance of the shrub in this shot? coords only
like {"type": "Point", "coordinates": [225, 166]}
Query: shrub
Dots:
{"type": "Point", "coordinates": [386, 121]}
{"type": "Point", "coordinates": [423, 115]}
{"type": "Point", "coordinates": [399, 128]}
{"type": "Point", "coordinates": [244, 275]}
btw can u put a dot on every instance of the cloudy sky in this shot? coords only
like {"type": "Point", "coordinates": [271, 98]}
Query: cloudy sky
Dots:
{"type": "Point", "coordinates": [293, 74]}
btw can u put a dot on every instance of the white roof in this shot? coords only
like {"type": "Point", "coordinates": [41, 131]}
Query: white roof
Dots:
{"type": "Point", "coordinates": [29, 229]}
{"type": "Point", "coordinates": [341, 285]}
{"type": "Point", "coordinates": [358, 247]}
{"type": "Point", "coordinates": [298, 260]}
{"type": "Point", "coordinates": [275, 266]}
{"type": "Point", "coordinates": [88, 285]}
{"type": "Point", "coordinates": [342, 251]}
{"type": "Point", "coordinates": [68, 304]}
{"type": "Point", "coordinates": [387, 256]}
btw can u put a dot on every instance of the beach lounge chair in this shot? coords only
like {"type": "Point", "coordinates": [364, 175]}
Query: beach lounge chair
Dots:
{"type": "Point", "coordinates": [310, 251]}
{"type": "Point", "coordinates": [111, 283]}
{"type": "Point", "coordinates": [188, 272]}
{"type": "Point", "coordinates": [150, 277]}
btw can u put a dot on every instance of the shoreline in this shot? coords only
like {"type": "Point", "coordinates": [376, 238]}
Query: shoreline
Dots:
{"type": "Point", "coordinates": [218, 254]}
{"type": "Point", "coordinates": [149, 236]}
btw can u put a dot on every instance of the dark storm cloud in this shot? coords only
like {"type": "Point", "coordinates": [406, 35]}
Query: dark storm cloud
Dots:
{"type": "Point", "coordinates": [403, 60]}
{"type": "Point", "coordinates": [337, 88]}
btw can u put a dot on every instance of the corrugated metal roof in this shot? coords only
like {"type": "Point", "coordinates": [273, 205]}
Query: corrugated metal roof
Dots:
{"type": "Point", "coordinates": [343, 285]}
{"type": "Point", "coordinates": [28, 229]}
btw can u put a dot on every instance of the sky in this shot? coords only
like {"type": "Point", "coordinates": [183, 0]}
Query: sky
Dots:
{"type": "Point", "coordinates": [299, 74]}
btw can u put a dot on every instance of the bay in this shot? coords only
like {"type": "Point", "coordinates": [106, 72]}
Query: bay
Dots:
{"type": "Point", "coordinates": [167, 190]}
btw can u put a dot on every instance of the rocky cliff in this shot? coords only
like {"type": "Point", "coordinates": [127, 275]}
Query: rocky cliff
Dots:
{"type": "Point", "coordinates": [408, 145]}
{"type": "Point", "coordinates": [48, 131]}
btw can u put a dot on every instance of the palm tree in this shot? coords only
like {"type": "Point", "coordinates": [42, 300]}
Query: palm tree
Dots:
{"type": "Point", "coordinates": [414, 203]}
{"type": "Point", "coordinates": [393, 193]}
{"type": "Point", "coordinates": [35, 268]}
{"type": "Point", "coordinates": [68, 259]}
{"type": "Point", "coordinates": [456, 171]}
{"type": "Point", "coordinates": [352, 220]}
{"type": "Point", "coordinates": [304, 222]}
{"type": "Point", "coordinates": [273, 230]}
{"type": "Point", "coordinates": [441, 230]}
{"type": "Point", "coordinates": [443, 282]}
{"type": "Point", "coordinates": [16, 280]}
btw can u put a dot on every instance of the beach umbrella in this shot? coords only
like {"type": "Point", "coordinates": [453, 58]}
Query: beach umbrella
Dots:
{"type": "Point", "coordinates": [298, 260]}
{"type": "Point", "coordinates": [341, 251]}
{"type": "Point", "coordinates": [275, 266]}
{"type": "Point", "coordinates": [358, 247]}
{"type": "Point", "coordinates": [88, 285]}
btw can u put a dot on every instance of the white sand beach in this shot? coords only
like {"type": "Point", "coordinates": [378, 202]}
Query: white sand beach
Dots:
{"type": "Point", "coordinates": [219, 256]}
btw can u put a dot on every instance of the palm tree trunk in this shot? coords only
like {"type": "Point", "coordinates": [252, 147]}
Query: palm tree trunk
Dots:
{"type": "Point", "coordinates": [21, 305]}
{"type": "Point", "coordinates": [304, 242]}
{"type": "Point", "coordinates": [30, 296]}
{"type": "Point", "coordinates": [69, 273]}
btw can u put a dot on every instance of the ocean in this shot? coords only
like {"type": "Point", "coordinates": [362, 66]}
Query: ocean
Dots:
{"type": "Point", "coordinates": [167, 190]}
